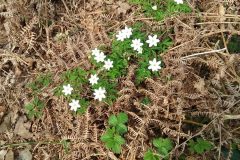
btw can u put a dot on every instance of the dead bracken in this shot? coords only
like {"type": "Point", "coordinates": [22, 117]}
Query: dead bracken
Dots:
{"type": "Point", "coordinates": [122, 79]}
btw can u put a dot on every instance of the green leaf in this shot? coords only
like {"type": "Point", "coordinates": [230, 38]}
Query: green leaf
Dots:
{"type": "Point", "coordinates": [29, 107]}
{"type": "Point", "coordinates": [112, 140]}
{"type": "Point", "coordinates": [200, 146]}
{"type": "Point", "coordinates": [108, 135]}
{"type": "Point", "coordinates": [110, 143]}
{"type": "Point", "coordinates": [121, 128]}
{"type": "Point", "coordinates": [118, 139]}
{"type": "Point", "coordinates": [149, 155]}
{"type": "Point", "coordinates": [116, 148]}
{"type": "Point", "coordinates": [163, 145]}
{"type": "Point", "coordinates": [122, 117]}
{"type": "Point", "coordinates": [146, 101]}
{"type": "Point", "coordinates": [113, 121]}
{"type": "Point", "coordinates": [66, 145]}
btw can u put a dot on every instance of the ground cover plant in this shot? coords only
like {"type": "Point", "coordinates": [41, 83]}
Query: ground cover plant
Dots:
{"type": "Point", "coordinates": [122, 79]}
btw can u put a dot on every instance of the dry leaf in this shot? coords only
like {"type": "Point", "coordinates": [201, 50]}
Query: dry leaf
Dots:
{"type": "Point", "coordinates": [123, 7]}
{"type": "Point", "coordinates": [25, 155]}
{"type": "Point", "coordinates": [22, 129]}
{"type": "Point", "coordinates": [2, 154]}
{"type": "Point", "coordinates": [9, 155]}
{"type": "Point", "coordinates": [6, 124]}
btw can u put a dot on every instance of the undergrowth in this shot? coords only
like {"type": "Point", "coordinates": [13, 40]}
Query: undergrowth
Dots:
{"type": "Point", "coordinates": [164, 8]}
{"type": "Point", "coordinates": [155, 93]}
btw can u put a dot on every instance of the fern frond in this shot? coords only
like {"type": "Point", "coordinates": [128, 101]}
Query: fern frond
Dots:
{"type": "Point", "coordinates": [154, 98]}
{"type": "Point", "coordinates": [29, 27]}
{"type": "Point", "coordinates": [32, 41]}
{"type": "Point", "coordinates": [71, 137]}
{"type": "Point", "coordinates": [193, 96]}
{"type": "Point", "coordinates": [174, 133]}
{"type": "Point", "coordinates": [125, 91]}
{"type": "Point", "coordinates": [131, 72]}
{"type": "Point", "coordinates": [86, 131]}
{"type": "Point", "coordinates": [138, 119]}
{"type": "Point", "coordinates": [210, 115]}
{"type": "Point", "coordinates": [8, 14]}
{"type": "Point", "coordinates": [95, 133]}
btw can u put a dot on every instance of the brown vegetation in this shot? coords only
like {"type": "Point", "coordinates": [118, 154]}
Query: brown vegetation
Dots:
{"type": "Point", "coordinates": [54, 36]}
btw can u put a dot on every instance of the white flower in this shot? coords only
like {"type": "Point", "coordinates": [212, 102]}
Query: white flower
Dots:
{"type": "Point", "coordinates": [100, 57]}
{"type": "Point", "coordinates": [179, 1]}
{"type": "Point", "coordinates": [74, 105]}
{"type": "Point", "coordinates": [95, 52]}
{"type": "Point", "coordinates": [108, 64]}
{"type": "Point", "coordinates": [93, 79]}
{"type": "Point", "coordinates": [123, 34]}
{"type": "Point", "coordinates": [127, 32]}
{"type": "Point", "coordinates": [136, 44]}
{"type": "Point", "coordinates": [140, 50]}
{"type": "Point", "coordinates": [154, 65]}
{"type": "Point", "coordinates": [154, 7]}
{"type": "Point", "coordinates": [152, 40]}
{"type": "Point", "coordinates": [99, 93]}
{"type": "Point", "coordinates": [120, 36]}
{"type": "Point", "coordinates": [67, 89]}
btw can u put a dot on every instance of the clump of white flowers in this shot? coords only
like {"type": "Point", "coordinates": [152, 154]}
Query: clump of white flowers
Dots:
{"type": "Point", "coordinates": [136, 44]}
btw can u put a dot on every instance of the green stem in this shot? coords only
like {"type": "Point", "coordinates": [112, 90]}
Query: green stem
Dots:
{"type": "Point", "coordinates": [28, 143]}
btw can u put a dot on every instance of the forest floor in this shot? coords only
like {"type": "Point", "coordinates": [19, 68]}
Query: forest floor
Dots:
{"type": "Point", "coordinates": [189, 109]}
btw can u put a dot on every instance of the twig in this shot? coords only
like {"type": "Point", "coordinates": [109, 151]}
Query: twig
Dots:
{"type": "Point", "coordinates": [28, 143]}
{"type": "Point", "coordinates": [216, 23]}
{"type": "Point", "coordinates": [99, 154]}
{"type": "Point", "coordinates": [193, 122]}
{"type": "Point", "coordinates": [229, 117]}
{"type": "Point", "coordinates": [203, 53]}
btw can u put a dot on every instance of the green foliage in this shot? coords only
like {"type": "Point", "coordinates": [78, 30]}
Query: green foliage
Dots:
{"type": "Point", "coordinates": [165, 8]}
{"type": "Point", "coordinates": [112, 140]}
{"type": "Point", "coordinates": [66, 145]}
{"type": "Point", "coordinates": [163, 145]}
{"type": "Point", "coordinates": [34, 109]}
{"type": "Point", "coordinates": [150, 155]}
{"type": "Point", "coordinates": [75, 77]}
{"type": "Point", "coordinates": [40, 83]}
{"type": "Point", "coordinates": [110, 86]}
{"type": "Point", "coordinates": [142, 72]}
{"type": "Point", "coordinates": [113, 136]}
{"type": "Point", "coordinates": [235, 153]}
{"type": "Point", "coordinates": [233, 45]}
{"type": "Point", "coordinates": [118, 122]}
{"type": "Point", "coordinates": [146, 101]}
{"type": "Point", "coordinates": [84, 105]}
{"type": "Point", "coordinates": [200, 146]}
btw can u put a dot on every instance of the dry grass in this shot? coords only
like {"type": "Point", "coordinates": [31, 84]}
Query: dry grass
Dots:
{"type": "Point", "coordinates": [54, 36]}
